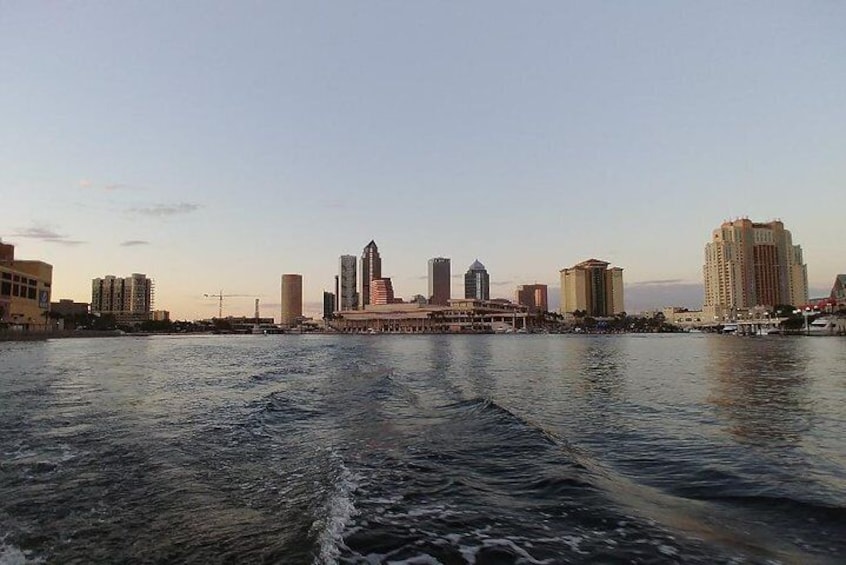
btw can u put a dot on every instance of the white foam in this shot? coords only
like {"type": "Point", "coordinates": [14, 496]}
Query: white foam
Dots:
{"type": "Point", "coordinates": [11, 555]}
{"type": "Point", "coordinates": [339, 510]}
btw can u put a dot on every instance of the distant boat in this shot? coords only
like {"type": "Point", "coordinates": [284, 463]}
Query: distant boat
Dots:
{"type": "Point", "coordinates": [729, 328]}
{"type": "Point", "coordinates": [822, 326]}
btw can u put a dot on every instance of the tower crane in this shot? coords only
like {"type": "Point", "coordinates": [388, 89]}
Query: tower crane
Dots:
{"type": "Point", "coordinates": [220, 298]}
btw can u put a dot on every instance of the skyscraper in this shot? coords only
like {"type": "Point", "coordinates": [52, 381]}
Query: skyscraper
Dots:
{"type": "Point", "coordinates": [533, 296]}
{"type": "Point", "coordinates": [371, 268]}
{"type": "Point", "coordinates": [477, 282]}
{"type": "Point", "coordinates": [292, 299]}
{"type": "Point", "coordinates": [750, 264]}
{"type": "Point", "coordinates": [593, 288]}
{"type": "Point", "coordinates": [439, 281]}
{"type": "Point", "coordinates": [347, 295]}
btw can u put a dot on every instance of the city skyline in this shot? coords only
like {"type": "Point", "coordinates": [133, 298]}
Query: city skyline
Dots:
{"type": "Point", "coordinates": [531, 142]}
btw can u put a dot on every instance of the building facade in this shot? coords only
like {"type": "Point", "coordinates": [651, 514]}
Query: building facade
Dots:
{"type": "Point", "coordinates": [477, 282]}
{"type": "Point", "coordinates": [592, 287]}
{"type": "Point", "coordinates": [346, 283]}
{"type": "Point", "coordinates": [439, 281]}
{"type": "Point", "coordinates": [458, 316]}
{"type": "Point", "coordinates": [128, 299]}
{"type": "Point", "coordinates": [535, 297]}
{"type": "Point", "coordinates": [371, 269]}
{"type": "Point", "coordinates": [67, 308]}
{"type": "Point", "coordinates": [382, 292]}
{"type": "Point", "coordinates": [749, 264]}
{"type": "Point", "coordinates": [292, 300]}
{"type": "Point", "coordinates": [25, 288]}
{"type": "Point", "coordinates": [328, 305]}
{"type": "Point", "coordinates": [838, 290]}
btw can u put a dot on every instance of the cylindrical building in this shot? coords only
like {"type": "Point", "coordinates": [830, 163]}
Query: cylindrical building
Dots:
{"type": "Point", "coordinates": [292, 300]}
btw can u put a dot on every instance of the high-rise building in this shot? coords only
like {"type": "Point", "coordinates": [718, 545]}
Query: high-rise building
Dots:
{"type": "Point", "coordinates": [838, 290]}
{"type": "Point", "coordinates": [592, 287]}
{"type": "Point", "coordinates": [128, 299]}
{"type": "Point", "coordinates": [439, 281]}
{"type": "Point", "coordinates": [292, 299]}
{"type": "Point", "coordinates": [477, 282]}
{"type": "Point", "coordinates": [750, 264]}
{"type": "Point", "coordinates": [371, 269]}
{"type": "Point", "coordinates": [328, 305]}
{"type": "Point", "coordinates": [535, 297]}
{"type": "Point", "coordinates": [24, 291]}
{"type": "Point", "coordinates": [346, 283]}
{"type": "Point", "coordinates": [382, 291]}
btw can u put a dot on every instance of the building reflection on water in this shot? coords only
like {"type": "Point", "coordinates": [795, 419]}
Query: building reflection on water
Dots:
{"type": "Point", "coordinates": [760, 388]}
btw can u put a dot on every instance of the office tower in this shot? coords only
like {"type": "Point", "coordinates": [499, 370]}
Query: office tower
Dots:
{"type": "Point", "coordinates": [592, 287]}
{"type": "Point", "coordinates": [750, 264]}
{"type": "Point", "coordinates": [292, 299]}
{"type": "Point", "coordinates": [439, 281]}
{"type": "Point", "coordinates": [371, 269]}
{"type": "Point", "coordinates": [477, 282]}
{"type": "Point", "coordinates": [346, 283]}
{"type": "Point", "coordinates": [128, 299]}
{"type": "Point", "coordinates": [533, 296]}
{"type": "Point", "coordinates": [382, 291]}
{"type": "Point", "coordinates": [328, 305]}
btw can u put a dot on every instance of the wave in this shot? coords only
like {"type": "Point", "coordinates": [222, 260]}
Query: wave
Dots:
{"type": "Point", "coordinates": [552, 467]}
{"type": "Point", "coordinates": [337, 513]}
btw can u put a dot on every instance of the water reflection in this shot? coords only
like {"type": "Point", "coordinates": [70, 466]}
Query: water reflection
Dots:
{"type": "Point", "coordinates": [760, 387]}
{"type": "Point", "coordinates": [601, 368]}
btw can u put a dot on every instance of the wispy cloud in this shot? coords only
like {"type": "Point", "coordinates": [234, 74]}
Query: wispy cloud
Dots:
{"type": "Point", "coordinates": [501, 283]}
{"type": "Point", "coordinates": [166, 210]}
{"type": "Point", "coordinates": [657, 282]}
{"type": "Point", "coordinates": [46, 234]}
{"type": "Point", "coordinates": [134, 243]}
{"type": "Point", "coordinates": [88, 184]}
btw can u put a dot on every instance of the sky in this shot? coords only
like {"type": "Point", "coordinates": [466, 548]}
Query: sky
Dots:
{"type": "Point", "coordinates": [215, 146]}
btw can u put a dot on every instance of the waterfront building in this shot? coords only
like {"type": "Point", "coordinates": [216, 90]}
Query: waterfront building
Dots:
{"type": "Point", "coordinates": [750, 264]}
{"type": "Point", "coordinates": [382, 292]}
{"type": "Point", "coordinates": [346, 283]}
{"type": "Point", "coordinates": [160, 315]}
{"type": "Point", "coordinates": [477, 282]}
{"type": "Point", "coordinates": [128, 299]}
{"type": "Point", "coordinates": [458, 316]}
{"type": "Point", "coordinates": [25, 287]}
{"type": "Point", "coordinates": [371, 269]}
{"type": "Point", "coordinates": [329, 304]}
{"type": "Point", "coordinates": [535, 297]}
{"type": "Point", "coordinates": [292, 300]}
{"type": "Point", "coordinates": [67, 308]}
{"type": "Point", "coordinates": [592, 287]}
{"type": "Point", "coordinates": [439, 281]}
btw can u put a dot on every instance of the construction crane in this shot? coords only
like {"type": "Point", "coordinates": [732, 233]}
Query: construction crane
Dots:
{"type": "Point", "coordinates": [220, 298]}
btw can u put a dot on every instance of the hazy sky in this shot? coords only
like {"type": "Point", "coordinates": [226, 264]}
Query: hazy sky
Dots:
{"type": "Point", "coordinates": [217, 145]}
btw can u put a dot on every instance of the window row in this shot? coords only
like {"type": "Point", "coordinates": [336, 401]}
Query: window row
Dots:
{"type": "Point", "coordinates": [8, 288]}
{"type": "Point", "coordinates": [19, 279]}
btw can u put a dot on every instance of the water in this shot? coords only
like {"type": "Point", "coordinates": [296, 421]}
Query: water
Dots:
{"type": "Point", "coordinates": [423, 449]}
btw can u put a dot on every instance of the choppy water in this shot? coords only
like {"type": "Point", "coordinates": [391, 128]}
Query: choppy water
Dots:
{"type": "Point", "coordinates": [423, 449]}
